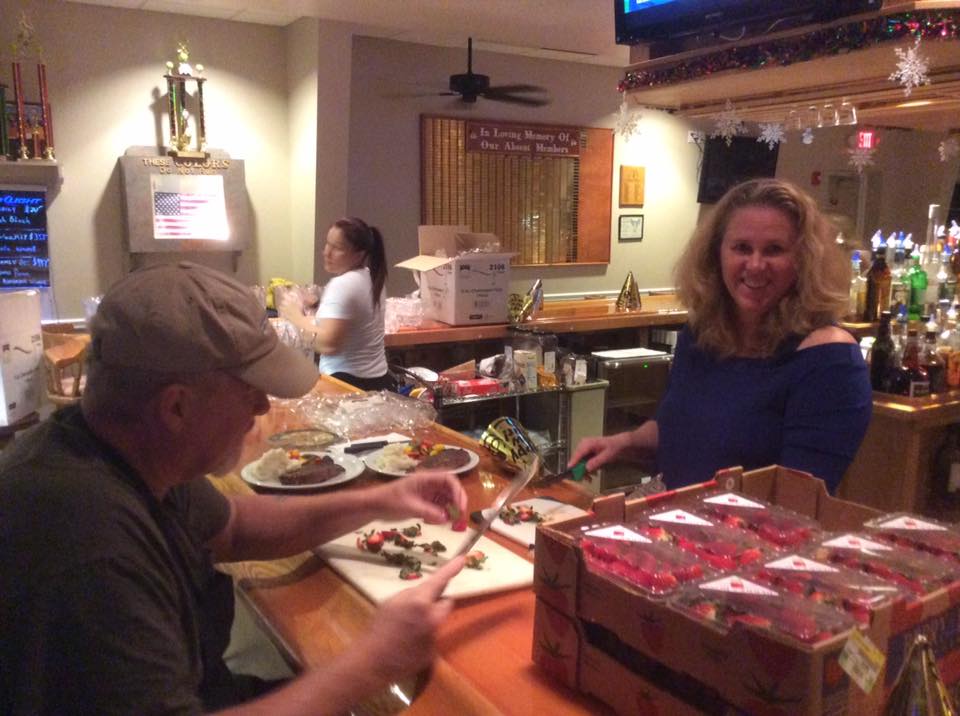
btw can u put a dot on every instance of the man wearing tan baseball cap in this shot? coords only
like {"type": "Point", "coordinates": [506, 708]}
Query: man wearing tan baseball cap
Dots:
{"type": "Point", "coordinates": [109, 529]}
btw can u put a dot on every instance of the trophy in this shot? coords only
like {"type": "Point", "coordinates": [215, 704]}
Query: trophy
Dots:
{"type": "Point", "coordinates": [177, 76]}
{"type": "Point", "coordinates": [34, 131]}
{"type": "Point", "coordinates": [629, 298]}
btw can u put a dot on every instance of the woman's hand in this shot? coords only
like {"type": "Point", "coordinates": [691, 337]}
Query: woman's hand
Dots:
{"type": "Point", "coordinates": [631, 446]}
{"type": "Point", "coordinates": [425, 495]}
{"type": "Point", "coordinates": [290, 306]}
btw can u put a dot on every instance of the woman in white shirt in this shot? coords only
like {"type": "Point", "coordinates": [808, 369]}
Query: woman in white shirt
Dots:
{"type": "Point", "coordinates": [348, 328]}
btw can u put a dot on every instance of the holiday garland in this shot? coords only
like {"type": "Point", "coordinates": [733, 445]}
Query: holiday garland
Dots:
{"type": "Point", "coordinates": [817, 43]}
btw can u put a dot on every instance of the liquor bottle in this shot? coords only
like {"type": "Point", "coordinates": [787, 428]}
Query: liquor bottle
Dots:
{"type": "Point", "coordinates": [899, 284]}
{"type": "Point", "coordinates": [898, 333]}
{"type": "Point", "coordinates": [948, 285]}
{"type": "Point", "coordinates": [858, 290]}
{"type": "Point", "coordinates": [933, 364]}
{"type": "Point", "coordinates": [935, 274]}
{"type": "Point", "coordinates": [878, 285]}
{"type": "Point", "coordinates": [881, 355]}
{"type": "Point", "coordinates": [918, 288]}
{"type": "Point", "coordinates": [917, 382]}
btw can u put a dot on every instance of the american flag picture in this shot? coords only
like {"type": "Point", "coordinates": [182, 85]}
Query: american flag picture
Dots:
{"type": "Point", "coordinates": [189, 207]}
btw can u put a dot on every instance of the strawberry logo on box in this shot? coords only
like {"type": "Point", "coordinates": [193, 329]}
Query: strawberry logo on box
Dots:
{"type": "Point", "coordinates": [733, 500]}
{"type": "Point", "coordinates": [798, 563]}
{"type": "Point", "coordinates": [737, 585]}
{"type": "Point", "coordinates": [618, 532]}
{"type": "Point", "coordinates": [910, 523]}
{"type": "Point", "coordinates": [681, 517]}
{"type": "Point", "coordinates": [849, 541]}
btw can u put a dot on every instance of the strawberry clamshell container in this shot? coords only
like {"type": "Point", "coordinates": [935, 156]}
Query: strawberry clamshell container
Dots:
{"type": "Point", "coordinates": [739, 601]}
{"type": "Point", "coordinates": [914, 571]}
{"type": "Point", "coordinates": [920, 533]}
{"type": "Point", "coordinates": [723, 548]}
{"type": "Point", "coordinates": [621, 552]}
{"type": "Point", "coordinates": [776, 525]}
{"type": "Point", "coordinates": [856, 593]}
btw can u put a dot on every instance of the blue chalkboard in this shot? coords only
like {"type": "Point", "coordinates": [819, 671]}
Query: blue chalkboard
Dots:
{"type": "Point", "coordinates": [24, 252]}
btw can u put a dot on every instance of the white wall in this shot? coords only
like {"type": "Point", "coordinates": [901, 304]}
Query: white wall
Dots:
{"type": "Point", "coordinates": [906, 177]}
{"type": "Point", "coordinates": [384, 174]}
{"type": "Point", "coordinates": [105, 71]}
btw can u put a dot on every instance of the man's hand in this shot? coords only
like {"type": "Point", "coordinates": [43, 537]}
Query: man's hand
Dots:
{"type": "Point", "coordinates": [402, 637]}
{"type": "Point", "coordinates": [426, 496]}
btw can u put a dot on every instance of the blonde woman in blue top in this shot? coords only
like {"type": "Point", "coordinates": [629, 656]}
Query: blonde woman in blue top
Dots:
{"type": "Point", "coordinates": [762, 372]}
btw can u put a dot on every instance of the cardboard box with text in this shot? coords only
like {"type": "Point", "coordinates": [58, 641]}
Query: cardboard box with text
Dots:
{"type": "Point", "coordinates": [464, 276]}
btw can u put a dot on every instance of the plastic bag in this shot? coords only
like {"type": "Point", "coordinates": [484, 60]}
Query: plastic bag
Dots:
{"type": "Point", "coordinates": [358, 415]}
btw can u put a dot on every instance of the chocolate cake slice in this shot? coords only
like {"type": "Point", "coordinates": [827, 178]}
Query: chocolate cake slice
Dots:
{"type": "Point", "coordinates": [314, 470]}
{"type": "Point", "coordinates": [448, 459]}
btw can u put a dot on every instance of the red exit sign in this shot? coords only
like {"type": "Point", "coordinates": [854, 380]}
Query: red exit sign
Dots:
{"type": "Point", "coordinates": [866, 139]}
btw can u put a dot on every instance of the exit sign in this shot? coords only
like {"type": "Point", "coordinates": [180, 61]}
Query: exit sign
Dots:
{"type": "Point", "coordinates": [866, 139]}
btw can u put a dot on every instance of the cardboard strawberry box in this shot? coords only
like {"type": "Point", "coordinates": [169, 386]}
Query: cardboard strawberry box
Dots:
{"type": "Point", "coordinates": [755, 669]}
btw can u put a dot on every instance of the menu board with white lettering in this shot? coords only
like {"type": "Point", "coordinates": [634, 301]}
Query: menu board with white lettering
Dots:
{"type": "Point", "coordinates": [24, 254]}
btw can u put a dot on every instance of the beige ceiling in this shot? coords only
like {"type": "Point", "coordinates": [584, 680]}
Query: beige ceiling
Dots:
{"type": "Point", "coordinates": [572, 30]}
{"type": "Point", "coordinates": [582, 31]}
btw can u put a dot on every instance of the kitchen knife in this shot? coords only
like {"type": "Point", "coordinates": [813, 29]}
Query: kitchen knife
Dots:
{"type": "Point", "coordinates": [507, 494]}
{"type": "Point", "coordinates": [368, 445]}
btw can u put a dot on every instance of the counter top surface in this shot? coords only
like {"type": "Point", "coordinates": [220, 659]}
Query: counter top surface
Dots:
{"type": "Point", "coordinates": [573, 316]}
{"type": "Point", "coordinates": [485, 646]}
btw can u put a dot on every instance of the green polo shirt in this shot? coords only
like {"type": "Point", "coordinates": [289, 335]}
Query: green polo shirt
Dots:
{"type": "Point", "coordinates": [109, 602]}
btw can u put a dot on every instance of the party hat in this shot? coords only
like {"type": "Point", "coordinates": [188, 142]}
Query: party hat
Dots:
{"type": "Point", "coordinates": [629, 298]}
{"type": "Point", "coordinates": [532, 302]}
{"type": "Point", "coordinates": [514, 307]}
{"type": "Point", "coordinates": [919, 688]}
{"type": "Point", "coordinates": [508, 440]}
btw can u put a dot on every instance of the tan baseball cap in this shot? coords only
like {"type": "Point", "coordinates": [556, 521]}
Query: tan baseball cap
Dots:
{"type": "Point", "coordinates": [186, 318]}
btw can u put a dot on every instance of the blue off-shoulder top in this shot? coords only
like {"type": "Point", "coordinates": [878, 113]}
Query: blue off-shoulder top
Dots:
{"type": "Point", "coordinates": [805, 409]}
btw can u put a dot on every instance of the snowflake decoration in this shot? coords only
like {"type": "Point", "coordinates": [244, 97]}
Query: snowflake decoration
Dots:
{"type": "Point", "coordinates": [949, 148]}
{"type": "Point", "coordinates": [807, 137]}
{"type": "Point", "coordinates": [772, 133]}
{"type": "Point", "coordinates": [627, 122]}
{"type": "Point", "coordinates": [912, 68]}
{"type": "Point", "coordinates": [861, 158]}
{"type": "Point", "coordinates": [728, 124]}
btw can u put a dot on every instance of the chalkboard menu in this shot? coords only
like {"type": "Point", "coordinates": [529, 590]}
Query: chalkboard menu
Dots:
{"type": "Point", "coordinates": [24, 254]}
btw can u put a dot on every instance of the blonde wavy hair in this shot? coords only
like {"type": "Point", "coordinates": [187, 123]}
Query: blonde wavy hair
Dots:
{"type": "Point", "coordinates": [818, 297]}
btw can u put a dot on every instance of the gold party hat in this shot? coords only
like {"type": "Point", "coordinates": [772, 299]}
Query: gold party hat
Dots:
{"type": "Point", "coordinates": [629, 298]}
{"type": "Point", "coordinates": [919, 688]}
{"type": "Point", "coordinates": [508, 440]}
{"type": "Point", "coordinates": [532, 302]}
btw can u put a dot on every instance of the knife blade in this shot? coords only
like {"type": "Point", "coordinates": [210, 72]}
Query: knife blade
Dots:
{"type": "Point", "coordinates": [507, 494]}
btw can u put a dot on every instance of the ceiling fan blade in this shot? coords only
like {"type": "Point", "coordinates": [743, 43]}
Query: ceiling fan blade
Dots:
{"type": "Point", "coordinates": [516, 88]}
{"type": "Point", "coordinates": [516, 99]}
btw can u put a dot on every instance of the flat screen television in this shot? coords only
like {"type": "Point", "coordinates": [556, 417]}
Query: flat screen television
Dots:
{"type": "Point", "coordinates": [652, 20]}
{"type": "Point", "coordinates": [724, 166]}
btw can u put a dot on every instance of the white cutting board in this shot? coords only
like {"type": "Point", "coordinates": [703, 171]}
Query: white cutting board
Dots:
{"type": "Point", "coordinates": [379, 581]}
{"type": "Point", "coordinates": [526, 532]}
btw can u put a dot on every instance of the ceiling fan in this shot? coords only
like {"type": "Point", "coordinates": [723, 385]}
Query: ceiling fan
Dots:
{"type": "Point", "coordinates": [470, 86]}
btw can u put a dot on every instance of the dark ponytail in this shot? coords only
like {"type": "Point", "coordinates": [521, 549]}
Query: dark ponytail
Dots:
{"type": "Point", "coordinates": [367, 238]}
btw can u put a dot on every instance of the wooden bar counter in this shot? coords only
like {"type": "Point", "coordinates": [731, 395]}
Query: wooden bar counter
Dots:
{"type": "Point", "coordinates": [894, 467]}
{"type": "Point", "coordinates": [567, 316]}
{"type": "Point", "coordinates": [484, 664]}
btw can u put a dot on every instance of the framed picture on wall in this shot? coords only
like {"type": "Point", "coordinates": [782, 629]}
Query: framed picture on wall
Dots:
{"type": "Point", "coordinates": [631, 227]}
{"type": "Point", "coordinates": [631, 186]}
